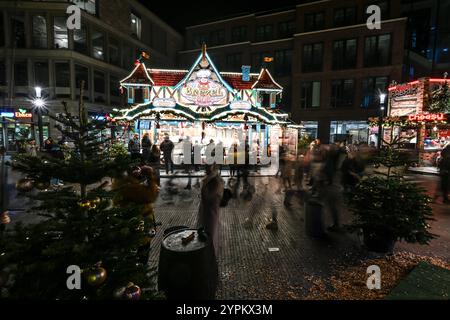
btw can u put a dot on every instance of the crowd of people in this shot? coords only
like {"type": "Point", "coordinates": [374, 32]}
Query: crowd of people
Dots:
{"type": "Point", "coordinates": [327, 172]}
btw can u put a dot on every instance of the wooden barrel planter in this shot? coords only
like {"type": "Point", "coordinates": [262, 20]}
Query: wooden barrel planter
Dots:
{"type": "Point", "coordinates": [187, 270]}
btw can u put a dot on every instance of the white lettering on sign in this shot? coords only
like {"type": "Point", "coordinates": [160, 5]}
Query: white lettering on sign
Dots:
{"type": "Point", "coordinates": [74, 20]}
{"type": "Point", "coordinates": [427, 117]}
{"type": "Point", "coordinates": [164, 103]}
{"type": "Point", "coordinates": [374, 20]}
{"type": "Point", "coordinates": [203, 91]}
{"type": "Point", "coordinates": [240, 105]}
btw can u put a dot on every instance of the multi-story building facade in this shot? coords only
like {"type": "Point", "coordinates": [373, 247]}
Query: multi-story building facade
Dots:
{"type": "Point", "coordinates": [331, 65]}
{"type": "Point", "coordinates": [428, 38]}
{"type": "Point", "coordinates": [38, 50]}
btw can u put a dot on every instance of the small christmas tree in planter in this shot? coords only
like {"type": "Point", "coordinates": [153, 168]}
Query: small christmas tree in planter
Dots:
{"type": "Point", "coordinates": [81, 226]}
{"type": "Point", "coordinates": [387, 208]}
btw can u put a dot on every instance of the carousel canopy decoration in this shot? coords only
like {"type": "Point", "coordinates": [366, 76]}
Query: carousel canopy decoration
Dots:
{"type": "Point", "coordinates": [201, 93]}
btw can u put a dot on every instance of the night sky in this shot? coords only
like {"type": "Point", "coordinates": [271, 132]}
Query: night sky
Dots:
{"type": "Point", "coordinates": [180, 14]}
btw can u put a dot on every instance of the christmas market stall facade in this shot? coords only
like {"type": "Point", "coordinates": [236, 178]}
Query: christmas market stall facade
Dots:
{"type": "Point", "coordinates": [203, 104]}
{"type": "Point", "coordinates": [418, 116]}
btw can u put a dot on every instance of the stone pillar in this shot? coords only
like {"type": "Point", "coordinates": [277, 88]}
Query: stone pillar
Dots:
{"type": "Point", "coordinates": [324, 131]}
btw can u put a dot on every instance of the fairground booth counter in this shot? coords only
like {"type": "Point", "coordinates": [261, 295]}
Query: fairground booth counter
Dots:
{"type": "Point", "coordinates": [203, 104]}
{"type": "Point", "coordinates": [418, 116]}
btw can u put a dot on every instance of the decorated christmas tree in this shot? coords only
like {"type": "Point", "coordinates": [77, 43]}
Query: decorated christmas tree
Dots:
{"type": "Point", "coordinates": [440, 99]}
{"type": "Point", "coordinates": [86, 225]}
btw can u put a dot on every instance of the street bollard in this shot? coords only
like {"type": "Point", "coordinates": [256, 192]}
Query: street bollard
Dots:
{"type": "Point", "coordinates": [314, 225]}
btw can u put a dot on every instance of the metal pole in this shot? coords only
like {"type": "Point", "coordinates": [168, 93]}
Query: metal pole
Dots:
{"type": "Point", "coordinates": [41, 129]}
{"type": "Point", "coordinates": [380, 126]}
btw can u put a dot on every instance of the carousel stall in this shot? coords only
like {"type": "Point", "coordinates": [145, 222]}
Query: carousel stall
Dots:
{"type": "Point", "coordinates": [203, 104]}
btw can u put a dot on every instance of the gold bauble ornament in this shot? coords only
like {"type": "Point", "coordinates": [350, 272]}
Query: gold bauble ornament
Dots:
{"type": "Point", "coordinates": [96, 276]}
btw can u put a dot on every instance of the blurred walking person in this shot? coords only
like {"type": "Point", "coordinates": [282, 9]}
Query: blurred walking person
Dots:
{"type": "Point", "coordinates": [134, 147]}
{"type": "Point", "coordinates": [444, 173]}
{"type": "Point", "coordinates": [146, 147]}
{"type": "Point", "coordinates": [167, 147]}
{"type": "Point", "coordinates": [212, 189]}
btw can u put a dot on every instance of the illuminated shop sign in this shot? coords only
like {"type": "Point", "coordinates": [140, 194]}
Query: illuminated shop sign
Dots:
{"type": "Point", "coordinates": [164, 103]}
{"type": "Point", "coordinates": [7, 114]}
{"type": "Point", "coordinates": [427, 117]}
{"type": "Point", "coordinates": [203, 91]}
{"type": "Point", "coordinates": [240, 105]}
{"type": "Point", "coordinates": [410, 89]}
{"type": "Point", "coordinates": [23, 114]}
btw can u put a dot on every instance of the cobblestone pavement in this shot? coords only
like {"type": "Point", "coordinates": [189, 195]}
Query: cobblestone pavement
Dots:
{"type": "Point", "coordinates": [247, 268]}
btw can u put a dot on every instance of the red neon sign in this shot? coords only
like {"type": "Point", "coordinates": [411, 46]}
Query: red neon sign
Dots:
{"type": "Point", "coordinates": [427, 117]}
{"type": "Point", "coordinates": [20, 115]}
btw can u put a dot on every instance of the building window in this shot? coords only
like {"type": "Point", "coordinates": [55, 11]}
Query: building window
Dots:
{"type": "Point", "coordinates": [21, 74]}
{"type": "Point", "coordinates": [2, 73]}
{"type": "Point", "coordinates": [353, 132]}
{"type": "Point", "coordinates": [136, 26]}
{"type": "Point", "coordinates": [286, 98]}
{"type": "Point", "coordinates": [80, 40]}
{"type": "Point", "coordinates": [217, 37]}
{"type": "Point", "coordinates": [443, 47]}
{"type": "Point", "coordinates": [311, 129]}
{"type": "Point", "coordinates": [239, 34]}
{"type": "Point", "coordinates": [82, 74]}
{"type": "Point", "coordinates": [371, 88]}
{"type": "Point", "coordinates": [377, 50]}
{"type": "Point", "coordinates": [99, 86]}
{"type": "Point", "coordinates": [264, 33]}
{"type": "Point", "coordinates": [41, 74]}
{"type": "Point", "coordinates": [342, 93]}
{"type": "Point", "coordinates": [314, 21]}
{"type": "Point", "coordinates": [2, 32]}
{"type": "Point", "coordinates": [60, 33]}
{"type": "Point", "coordinates": [384, 6]}
{"type": "Point", "coordinates": [114, 86]}
{"type": "Point", "coordinates": [344, 54]}
{"type": "Point", "coordinates": [99, 82]}
{"type": "Point", "coordinates": [283, 62]}
{"type": "Point", "coordinates": [18, 31]}
{"type": "Point", "coordinates": [62, 74]}
{"type": "Point", "coordinates": [286, 29]}
{"type": "Point", "coordinates": [234, 62]}
{"type": "Point", "coordinates": [114, 51]}
{"type": "Point", "coordinates": [98, 45]}
{"type": "Point", "coordinates": [312, 57]}
{"type": "Point", "coordinates": [128, 56]}
{"type": "Point", "coordinates": [87, 5]}
{"type": "Point", "coordinates": [310, 94]}
{"type": "Point", "coordinates": [199, 39]}
{"type": "Point", "coordinates": [344, 17]}
{"type": "Point", "coordinates": [40, 32]}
